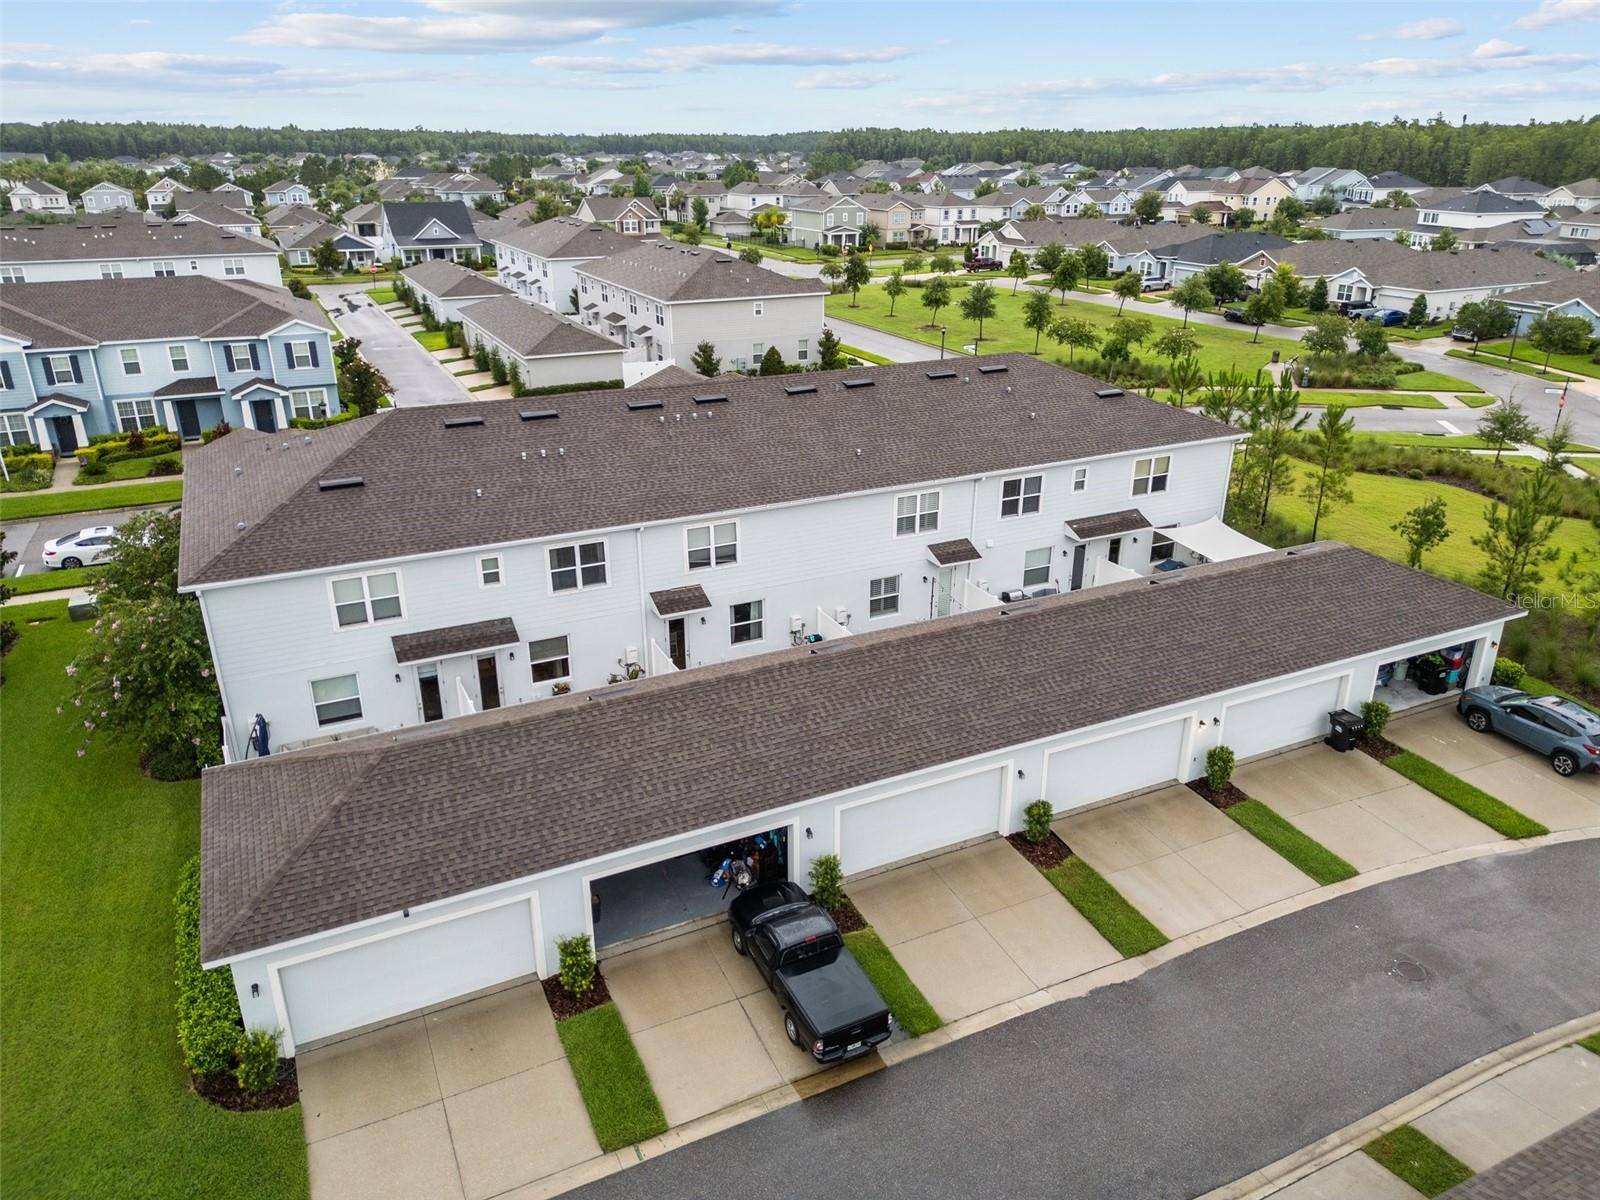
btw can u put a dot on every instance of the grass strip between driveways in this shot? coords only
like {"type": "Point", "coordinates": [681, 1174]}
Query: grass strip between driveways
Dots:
{"type": "Point", "coordinates": [611, 1078]}
{"type": "Point", "coordinates": [910, 1007]}
{"type": "Point", "coordinates": [432, 339]}
{"type": "Point", "coordinates": [1305, 852]}
{"type": "Point", "coordinates": [1474, 801]}
{"type": "Point", "coordinates": [1590, 1043]}
{"type": "Point", "coordinates": [16, 507]}
{"type": "Point", "coordinates": [1418, 1160]}
{"type": "Point", "coordinates": [1127, 929]}
{"type": "Point", "coordinates": [866, 355]}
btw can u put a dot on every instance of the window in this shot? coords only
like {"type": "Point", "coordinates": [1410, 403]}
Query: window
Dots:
{"type": "Point", "coordinates": [1080, 478]}
{"type": "Point", "coordinates": [1036, 567]}
{"type": "Point", "coordinates": [1150, 475]}
{"type": "Point", "coordinates": [130, 361]}
{"type": "Point", "coordinates": [59, 369]}
{"type": "Point", "coordinates": [358, 599]}
{"type": "Point", "coordinates": [1160, 547]}
{"type": "Point", "coordinates": [309, 404]}
{"type": "Point", "coordinates": [712, 545]}
{"type": "Point", "coordinates": [579, 566]}
{"type": "Point", "coordinates": [135, 414]}
{"type": "Point", "coordinates": [883, 596]}
{"type": "Point", "coordinates": [745, 622]}
{"type": "Point", "coordinates": [237, 355]}
{"type": "Point", "coordinates": [337, 699]}
{"type": "Point", "coordinates": [758, 308]}
{"type": "Point", "coordinates": [916, 513]}
{"type": "Point", "coordinates": [300, 356]}
{"type": "Point", "coordinates": [803, 350]}
{"type": "Point", "coordinates": [14, 430]}
{"type": "Point", "coordinates": [1343, 292]}
{"type": "Point", "coordinates": [550, 660]}
{"type": "Point", "coordinates": [12, 275]}
{"type": "Point", "coordinates": [110, 270]}
{"type": "Point", "coordinates": [180, 358]}
{"type": "Point", "coordinates": [1021, 495]}
{"type": "Point", "coordinates": [757, 349]}
{"type": "Point", "coordinates": [166, 270]}
{"type": "Point", "coordinates": [233, 266]}
{"type": "Point", "coordinates": [489, 573]}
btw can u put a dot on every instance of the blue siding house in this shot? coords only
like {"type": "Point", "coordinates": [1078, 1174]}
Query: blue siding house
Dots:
{"type": "Point", "coordinates": [87, 357]}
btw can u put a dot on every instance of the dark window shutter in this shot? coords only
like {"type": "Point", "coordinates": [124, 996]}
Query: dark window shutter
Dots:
{"type": "Point", "coordinates": [227, 357]}
{"type": "Point", "coordinates": [5, 375]}
{"type": "Point", "coordinates": [49, 373]}
{"type": "Point", "coordinates": [288, 355]}
{"type": "Point", "coordinates": [313, 346]}
{"type": "Point", "coordinates": [77, 373]}
{"type": "Point", "coordinates": [255, 359]}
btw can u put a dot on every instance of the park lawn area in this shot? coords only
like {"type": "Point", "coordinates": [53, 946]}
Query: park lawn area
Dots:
{"type": "Point", "coordinates": [51, 581]}
{"type": "Point", "coordinates": [1314, 398]}
{"type": "Point", "coordinates": [1433, 381]}
{"type": "Point", "coordinates": [1465, 441]}
{"type": "Point", "coordinates": [1578, 364]}
{"type": "Point", "coordinates": [1506, 364]}
{"type": "Point", "coordinates": [94, 1094]}
{"type": "Point", "coordinates": [1381, 500]}
{"type": "Point", "coordinates": [432, 339]}
{"type": "Point", "coordinates": [1476, 399]}
{"type": "Point", "coordinates": [1591, 465]}
{"type": "Point", "coordinates": [18, 506]}
{"type": "Point", "coordinates": [1218, 349]}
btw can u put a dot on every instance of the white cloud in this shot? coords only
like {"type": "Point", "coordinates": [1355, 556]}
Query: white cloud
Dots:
{"type": "Point", "coordinates": [1430, 29]}
{"type": "Point", "coordinates": [1558, 12]}
{"type": "Point", "coordinates": [177, 73]}
{"type": "Point", "coordinates": [1498, 48]}
{"type": "Point", "coordinates": [140, 21]}
{"type": "Point", "coordinates": [844, 80]}
{"type": "Point", "coordinates": [676, 59]}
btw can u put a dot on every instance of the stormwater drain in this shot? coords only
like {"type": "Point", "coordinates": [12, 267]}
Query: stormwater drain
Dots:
{"type": "Point", "coordinates": [1409, 970]}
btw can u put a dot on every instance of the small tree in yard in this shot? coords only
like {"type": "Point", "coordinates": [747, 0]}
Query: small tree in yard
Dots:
{"type": "Point", "coordinates": [832, 271]}
{"type": "Point", "coordinates": [1555, 334]}
{"type": "Point", "coordinates": [1327, 449]}
{"type": "Point", "coordinates": [979, 304]}
{"type": "Point", "coordinates": [1049, 257]}
{"type": "Point", "coordinates": [1096, 262]}
{"type": "Point", "coordinates": [1485, 320]}
{"type": "Point", "coordinates": [1037, 313]}
{"type": "Point", "coordinates": [750, 255]}
{"type": "Point", "coordinates": [1148, 207]}
{"type": "Point", "coordinates": [1317, 297]}
{"type": "Point", "coordinates": [1219, 769]}
{"type": "Point", "coordinates": [1036, 820]}
{"type": "Point", "coordinates": [1127, 286]}
{"type": "Point", "coordinates": [1445, 239]}
{"type": "Point", "coordinates": [705, 360]}
{"type": "Point", "coordinates": [1423, 528]}
{"type": "Point", "coordinates": [1289, 284]}
{"type": "Point", "coordinates": [1371, 341]}
{"type": "Point", "coordinates": [1176, 343]}
{"type": "Point", "coordinates": [1505, 425]}
{"type": "Point", "coordinates": [1516, 537]}
{"type": "Point", "coordinates": [830, 351]}
{"type": "Point", "coordinates": [1075, 334]}
{"type": "Point", "coordinates": [701, 210]}
{"type": "Point", "coordinates": [497, 366]}
{"type": "Point", "coordinates": [942, 263]}
{"type": "Point", "coordinates": [1329, 334]}
{"type": "Point", "coordinates": [1225, 281]}
{"type": "Point", "coordinates": [1184, 378]}
{"type": "Point", "coordinates": [934, 297]}
{"type": "Point", "coordinates": [1090, 212]}
{"type": "Point", "coordinates": [1067, 273]}
{"type": "Point", "coordinates": [1192, 295]}
{"type": "Point", "coordinates": [912, 264]}
{"type": "Point", "coordinates": [576, 957]}
{"type": "Point", "coordinates": [772, 362]}
{"type": "Point", "coordinates": [857, 274]}
{"type": "Point", "coordinates": [894, 287]}
{"type": "Point", "coordinates": [827, 881]}
{"type": "Point", "coordinates": [1417, 314]}
{"type": "Point", "coordinates": [1018, 269]}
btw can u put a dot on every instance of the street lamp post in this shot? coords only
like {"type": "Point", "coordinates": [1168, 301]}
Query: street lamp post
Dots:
{"type": "Point", "coordinates": [942, 329]}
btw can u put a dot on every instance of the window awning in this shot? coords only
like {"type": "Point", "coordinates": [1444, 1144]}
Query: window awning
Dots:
{"type": "Point", "coordinates": [675, 602]}
{"type": "Point", "coordinates": [1212, 541]}
{"type": "Point", "coordinates": [1086, 529]}
{"type": "Point", "coordinates": [948, 554]}
{"type": "Point", "coordinates": [433, 644]}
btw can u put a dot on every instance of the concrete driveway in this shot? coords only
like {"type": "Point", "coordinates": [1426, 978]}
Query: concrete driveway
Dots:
{"type": "Point", "coordinates": [978, 927]}
{"type": "Point", "coordinates": [415, 376]}
{"type": "Point", "coordinates": [465, 1101]}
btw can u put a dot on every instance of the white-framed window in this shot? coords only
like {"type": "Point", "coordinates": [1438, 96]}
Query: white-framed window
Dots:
{"type": "Point", "coordinates": [233, 266]}
{"type": "Point", "coordinates": [1343, 292]}
{"type": "Point", "coordinates": [179, 357]}
{"type": "Point", "coordinates": [802, 350]}
{"type": "Point", "coordinates": [1036, 566]}
{"type": "Point", "coordinates": [166, 269]}
{"type": "Point", "coordinates": [917, 512]}
{"type": "Point", "coordinates": [13, 275]}
{"type": "Point", "coordinates": [758, 308]}
{"type": "Point", "coordinates": [661, 315]}
{"type": "Point", "coordinates": [1150, 475]}
{"type": "Point", "coordinates": [300, 355]}
{"type": "Point", "coordinates": [14, 430]}
{"type": "Point", "coordinates": [1021, 495]}
{"type": "Point", "coordinates": [309, 404]}
{"type": "Point", "coordinates": [130, 361]}
{"type": "Point", "coordinates": [577, 566]}
{"type": "Point", "coordinates": [883, 596]}
{"type": "Point", "coordinates": [490, 571]}
{"type": "Point", "coordinates": [745, 622]}
{"type": "Point", "coordinates": [239, 352]}
{"type": "Point", "coordinates": [757, 349]}
{"type": "Point", "coordinates": [712, 545]}
{"type": "Point", "coordinates": [135, 414]}
{"type": "Point", "coordinates": [362, 599]}
{"type": "Point", "coordinates": [60, 368]}
{"type": "Point", "coordinates": [1160, 547]}
{"type": "Point", "coordinates": [549, 660]}
{"type": "Point", "coordinates": [111, 270]}
{"type": "Point", "coordinates": [1080, 479]}
{"type": "Point", "coordinates": [337, 699]}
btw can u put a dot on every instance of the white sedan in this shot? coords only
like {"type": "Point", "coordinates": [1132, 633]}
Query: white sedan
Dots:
{"type": "Point", "coordinates": [81, 549]}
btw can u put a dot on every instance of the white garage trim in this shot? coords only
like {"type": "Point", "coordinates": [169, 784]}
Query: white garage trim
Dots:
{"type": "Point", "coordinates": [1342, 700]}
{"type": "Point", "coordinates": [1007, 769]}
{"type": "Point", "coordinates": [1185, 747]}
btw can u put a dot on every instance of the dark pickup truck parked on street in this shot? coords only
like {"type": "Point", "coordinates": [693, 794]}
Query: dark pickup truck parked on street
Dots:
{"type": "Point", "coordinates": [830, 1007]}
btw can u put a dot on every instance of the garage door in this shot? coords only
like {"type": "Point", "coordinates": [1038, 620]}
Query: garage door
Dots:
{"type": "Point", "coordinates": [385, 978]}
{"type": "Point", "coordinates": [920, 821]}
{"type": "Point", "coordinates": [1113, 766]}
{"type": "Point", "coordinates": [1281, 719]}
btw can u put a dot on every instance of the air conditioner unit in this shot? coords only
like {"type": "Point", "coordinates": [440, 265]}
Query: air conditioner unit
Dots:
{"type": "Point", "coordinates": [1013, 596]}
{"type": "Point", "coordinates": [1044, 589]}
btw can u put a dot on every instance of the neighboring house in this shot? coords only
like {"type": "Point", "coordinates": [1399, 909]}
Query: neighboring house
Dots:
{"type": "Point", "coordinates": [287, 191]}
{"type": "Point", "coordinates": [1352, 269]}
{"type": "Point", "coordinates": [397, 189]}
{"type": "Point", "coordinates": [1379, 224]}
{"type": "Point", "coordinates": [124, 246]}
{"type": "Point", "coordinates": [1516, 187]}
{"type": "Point", "coordinates": [464, 187]}
{"type": "Point", "coordinates": [547, 350]}
{"type": "Point", "coordinates": [107, 197]}
{"type": "Point", "coordinates": [1473, 210]}
{"type": "Point", "coordinates": [661, 300]}
{"type": "Point", "coordinates": [288, 216]}
{"type": "Point", "coordinates": [953, 220]}
{"type": "Point", "coordinates": [1127, 246]}
{"type": "Point", "coordinates": [1342, 183]}
{"type": "Point", "coordinates": [35, 195]}
{"type": "Point", "coordinates": [625, 214]}
{"type": "Point", "coordinates": [445, 288]}
{"type": "Point", "coordinates": [825, 220]}
{"type": "Point", "coordinates": [1176, 262]}
{"type": "Point", "coordinates": [1451, 278]}
{"type": "Point", "coordinates": [161, 193]}
{"type": "Point", "coordinates": [1573, 294]}
{"type": "Point", "coordinates": [364, 220]}
{"type": "Point", "coordinates": [222, 216]}
{"type": "Point", "coordinates": [539, 262]}
{"type": "Point", "coordinates": [232, 194]}
{"type": "Point", "coordinates": [86, 357]}
{"type": "Point", "coordinates": [1385, 182]}
{"type": "Point", "coordinates": [1014, 205]}
{"type": "Point", "coordinates": [299, 245]}
{"type": "Point", "coordinates": [1584, 195]}
{"type": "Point", "coordinates": [895, 214]}
{"type": "Point", "coordinates": [598, 182]}
{"type": "Point", "coordinates": [1112, 202]}
{"type": "Point", "coordinates": [426, 229]}
{"type": "Point", "coordinates": [1257, 194]}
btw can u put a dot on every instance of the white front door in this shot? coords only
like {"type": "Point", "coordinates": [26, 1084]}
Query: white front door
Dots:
{"type": "Point", "coordinates": [944, 589]}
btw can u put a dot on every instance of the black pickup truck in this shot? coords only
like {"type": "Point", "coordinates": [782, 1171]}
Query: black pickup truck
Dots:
{"type": "Point", "coordinates": [829, 1005]}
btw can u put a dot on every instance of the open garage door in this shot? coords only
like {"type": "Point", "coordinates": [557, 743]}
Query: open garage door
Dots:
{"type": "Point", "coordinates": [1280, 719]}
{"type": "Point", "coordinates": [1114, 766]}
{"type": "Point", "coordinates": [920, 821]}
{"type": "Point", "coordinates": [386, 977]}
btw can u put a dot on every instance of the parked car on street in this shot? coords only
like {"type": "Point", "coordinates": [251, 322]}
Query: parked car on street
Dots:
{"type": "Point", "coordinates": [1234, 314]}
{"type": "Point", "coordinates": [830, 1007]}
{"type": "Point", "coordinates": [1153, 284]}
{"type": "Point", "coordinates": [1390, 316]}
{"type": "Point", "coordinates": [1565, 732]}
{"type": "Point", "coordinates": [984, 264]}
{"type": "Point", "coordinates": [1461, 335]}
{"type": "Point", "coordinates": [81, 549]}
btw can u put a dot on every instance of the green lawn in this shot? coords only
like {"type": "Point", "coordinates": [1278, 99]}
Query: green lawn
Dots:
{"type": "Point", "coordinates": [308, 275]}
{"type": "Point", "coordinates": [1316, 398]}
{"type": "Point", "coordinates": [865, 355]}
{"type": "Point", "coordinates": [1505, 364]}
{"type": "Point", "coordinates": [50, 581]}
{"type": "Point", "coordinates": [16, 507]}
{"type": "Point", "coordinates": [1120, 923]}
{"type": "Point", "coordinates": [432, 339]}
{"type": "Point", "coordinates": [94, 1099]}
{"type": "Point", "coordinates": [1418, 1160]}
{"type": "Point", "coordinates": [1590, 1043]}
{"type": "Point", "coordinates": [1577, 364]}
{"type": "Point", "coordinates": [1433, 381]}
{"type": "Point", "coordinates": [1381, 500]}
{"type": "Point", "coordinates": [1591, 465]}
{"type": "Point", "coordinates": [910, 1007]}
{"type": "Point", "coordinates": [1475, 802]}
{"type": "Point", "coordinates": [128, 468]}
{"type": "Point", "coordinates": [1477, 399]}
{"type": "Point", "coordinates": [1400, 333]}
{"type": "Point", "coordinates": [616, 1089]}
{"type": "Point", "coordinates": [1443, 441]}
{"type": "Point", "coordinates": [1311, 856]}
{"type": "Point", "coordinates": [381, 296]}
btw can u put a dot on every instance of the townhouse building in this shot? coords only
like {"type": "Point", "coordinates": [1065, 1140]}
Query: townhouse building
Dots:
{"type": "Point", "coordinates": [1583, 195]}
{"type": "Point", "coordinates": [107, 197]}
{"type": "Point", "coordinates": [122, 245]}
{"type": "Point", "coordinates": [539, 262]}
{"type": "Point", "coordinates": [1473, 210]}
{"type": "Point", "coordinates": [445, 560]}
{"type": "Point", "coordinates": [445, 288]}
{"type": "Point", "coordinates": [288, 191]}
{"type": "Point", "coordinates": [86, 357]}
{"type": "Point", "coordinates": [547, 350]}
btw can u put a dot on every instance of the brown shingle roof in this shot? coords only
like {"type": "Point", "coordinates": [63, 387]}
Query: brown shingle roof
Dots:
{"type": "Point", "coordinates": [673, 602]}
{"type": "Point", "coordinates": [531, 331]}
{"type": "Point", "coordinates": [387, 818]}
{"type": "Point", "coordinates": [562, 237]}
{"type": "Point", "coordinates": [120, 235]}
{"type": "Point", "coordinates": [1086, 529]}
{"type": "Point", "coordinates": [429, 644]}
{"type": "Point", "coordinates": [195, 385]}
{"type": "Point", "coordinates": [438, 277]}
{"type": "Point", "coordinates": [957, 550]}
{"type": "Point", "coordinates": [670, 272]}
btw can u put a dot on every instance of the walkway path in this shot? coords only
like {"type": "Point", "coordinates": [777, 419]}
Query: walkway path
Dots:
{"type": "Point", "coordinates": [1204, 1068]}
{"type": "Point", "coordinates": [415, 377]}
{"type": "Point", "coordinates": [885, 345]}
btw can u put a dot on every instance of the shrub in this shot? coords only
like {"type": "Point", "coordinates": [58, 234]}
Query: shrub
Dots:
{"type": "Point", "coordinates": [136, 439]}
{"type": "Point", "coordinates": [480, 357]}
{"type": "Point", "coordinates": [828, 250]}
{"type": "Point", "coordinates": [167, 464]}
{"type": "Point", "coordinates": [1507, 672]}
{"type": "Point", "coordinates": [258, 1061]}
{"type": "Point", "coordinates": [1219, 767]}
{"type": "Point", "coordinates": [1375, 716]}
{"type": "Point", "coordinates": [298, 288]}
{"type": "Point", "coordinates": [827, 881]}
{"type": "Point", "coordinates": [220, 429]}
{"type": "Point", "coordinates": [577, 963]}
{"type": "Point", "coordinates": [209, 1023]}
{"type": "Point", "coordinates": [1036, 820]}
{"type": "Point", "coordinates": [93, 469]}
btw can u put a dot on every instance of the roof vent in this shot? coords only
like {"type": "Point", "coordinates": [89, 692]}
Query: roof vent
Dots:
{"type": "Point", "coordinates": [461, 422]}
{"type": "Point", "coordinates": [643, 405]}
{"type": "Point", "coordinates": [711, 398]}
{"type": "Point", "coordinates": [944, 374]}
{"type": "Point", "coordinates": [996, 369]}
{"type": "Point", "coordinates": [799, 389]}
{"type": "Point", "coordinates": [339, 485]}
{"type": "Point", "coordinates": [1108, 393]}
{"type": "Point", "coordinates": [539, 414]}
{"type": "Point", "coordinates": [858, 383]}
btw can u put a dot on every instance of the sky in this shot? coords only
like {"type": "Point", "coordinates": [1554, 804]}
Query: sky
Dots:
{"type": "Point", "coordinates": [772, 66]}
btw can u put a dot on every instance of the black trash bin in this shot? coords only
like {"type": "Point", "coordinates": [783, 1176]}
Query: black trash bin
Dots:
{"type": "Point", "coordinates": [1344, 727]}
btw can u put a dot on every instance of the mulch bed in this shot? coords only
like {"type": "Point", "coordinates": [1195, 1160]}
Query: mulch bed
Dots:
{"type": "Point", "coordinates": [563, 1004]}
{"type": "Point", "coordinates": [1226, 798]}
{"type": "Point", "coordinates": [1378, 746]}
{"type": "Point", "coordinates": [848, 917]}
{"type": "Point", "coordinates": [1051, 852]}
{"type": "Point", "coordinates": [223, 1090]}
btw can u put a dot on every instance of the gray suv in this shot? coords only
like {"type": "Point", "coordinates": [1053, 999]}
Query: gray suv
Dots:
{"type": "Point", "coordinates": [1566, 733]}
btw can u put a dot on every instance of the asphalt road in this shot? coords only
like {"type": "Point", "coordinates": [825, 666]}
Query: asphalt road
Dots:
{"type": "Point", "coordinates": [1203, 1069]}
{"type": "Point", "coordinates": [27, 538]}
{"type": "Point", "coordinates": [416, 378]}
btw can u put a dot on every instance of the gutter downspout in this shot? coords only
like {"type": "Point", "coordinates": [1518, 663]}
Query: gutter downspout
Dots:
{"type": "Point", "coordinates": [644, 609]}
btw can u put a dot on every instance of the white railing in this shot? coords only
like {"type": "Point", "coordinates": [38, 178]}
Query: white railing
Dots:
{"type": "Point", "coordinates": [660, 661]}
{"type": "Point", "coordinates": [463, 699]}
{"type": "Point", "coordinates": [1106, 571]}
{"type": "Point", "coordinates": [830, 628]}
{"type": "Point", "coordinates": [974, 598]}
{"type": "Point", "coordinates": [228, 753]}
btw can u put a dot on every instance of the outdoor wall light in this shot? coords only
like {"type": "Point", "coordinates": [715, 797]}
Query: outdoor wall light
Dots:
{"type": "Point", "coordinates": [405, 912]}
{"type": "Point", "coordinates": [255, 990]}
{"type": "Point", "coordinates": [1020, 775]}
{"type": "Point", "coordinates": [808, 833]}
{"type": "Point", "coordinates": [397, 676]}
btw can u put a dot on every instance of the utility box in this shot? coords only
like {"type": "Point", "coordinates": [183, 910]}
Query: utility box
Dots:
{"type": "Point", "coordinates": [1344, 727]}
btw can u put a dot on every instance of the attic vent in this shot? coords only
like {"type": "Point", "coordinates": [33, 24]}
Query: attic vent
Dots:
{"type": "Point", "coordinates": [539, 414]}
{"type": "Point", "coordinates": [945, 374]}
{"type": "Point", "coordinates": [339, 485]}
{"type": "Point", "coordinates": [642, 405]}
{"type": "Point", "coordinates": [800, 389]}
{"type": "Point", "coordinates": [858, 383]}
{"type": "Point", "coordinates": [997, 369]}
{"type": "Point", "coordinates": [711, 398]}
{"type": "Point", "coordinates": [461, 422]}
{"type": "Point", "coordinates": [1107, 393]}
